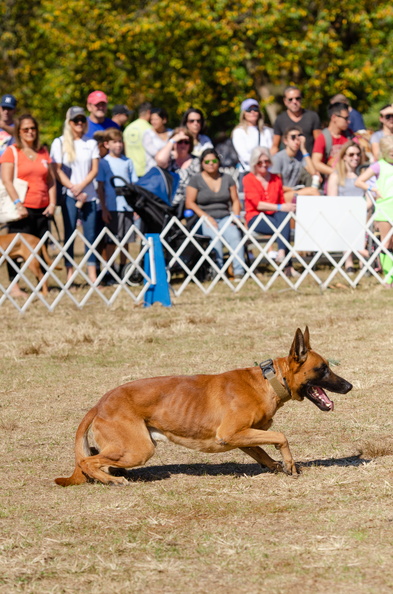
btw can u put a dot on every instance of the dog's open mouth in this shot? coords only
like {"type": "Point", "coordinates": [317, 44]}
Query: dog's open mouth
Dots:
{"type": "Point", "coordinates": [319, 397]}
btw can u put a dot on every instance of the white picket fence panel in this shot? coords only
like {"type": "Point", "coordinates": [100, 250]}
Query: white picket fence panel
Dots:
{"type": "Point", "coordinates": [187, 271]}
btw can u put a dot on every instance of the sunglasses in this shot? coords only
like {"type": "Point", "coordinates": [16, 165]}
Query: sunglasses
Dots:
{"type": "Point", "coordinates": [353, 155]}
{"type": "Point", "coordinates": [294, 136]}
{"type": "Point", "coordinates": [388, 116]}
{"type": "Point", "coordinates": [194, 121]}
{"type": "Point", "coordinates": [252, 108]}
{"type": "Point", "coordinates": [31, 128]}
{"type": "Point", "coordinates": [263, 162]}
{"type": "Point", "coordinates": [290, 99]}
{"type": "Point", "coordinates": [210, 161]}
{"type": "Point", "coordinates": [183, 142]}
{"type": "Point", "coordinates": [343, 117]}
{"type": "Point", "coordinates": [80, 120]}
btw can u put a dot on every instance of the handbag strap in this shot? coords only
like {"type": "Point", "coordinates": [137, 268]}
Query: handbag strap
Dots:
{"type": "Point", "coordinates": [15, 161]}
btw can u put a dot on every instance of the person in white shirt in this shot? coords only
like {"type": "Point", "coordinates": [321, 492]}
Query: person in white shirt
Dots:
{"type": "Point", "coordinates": [250, 132]}
{"type": "Point", "coordinates": [75, 162]}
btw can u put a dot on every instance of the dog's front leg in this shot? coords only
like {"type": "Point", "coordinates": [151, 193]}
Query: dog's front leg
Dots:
{"type": "Point", "coordinates": [246, 438]}
{"type": "Point", "coordinates": [263, 458]}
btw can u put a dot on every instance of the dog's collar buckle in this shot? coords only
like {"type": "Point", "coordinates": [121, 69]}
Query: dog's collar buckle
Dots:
{"type": "Point", "coordinates": [269, 373]}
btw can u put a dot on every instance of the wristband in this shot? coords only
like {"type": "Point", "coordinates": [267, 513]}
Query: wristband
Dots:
{"type": "Point", "coordinates": [306, 155]}
{"type": "Point", "coordinates": [278, 206]}
{"type": "Point", "coordinates": [17, 201]}
{"type": "Point", "coordinates": [237, 216]}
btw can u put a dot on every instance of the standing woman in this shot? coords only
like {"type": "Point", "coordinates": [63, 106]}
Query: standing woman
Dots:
{"type": "Point", "coordinates": [250, 132]}
{"type": "Point", "coordinates": [75, 161]}
{"type": "Point", "coordinates": [214, 195]}
{"type": "Point", "coordinates": [263, 192]}
{"type": "Point", "coordinates": [33, 167]}
{"type": "Point", "coordinates": [383, 192]}
{"type": "Point", "coordinates": [194, 121]}
{"type": "Point", "coordinates": [386, 119]}
{"type": "Point", "coordinates": [157, 136]}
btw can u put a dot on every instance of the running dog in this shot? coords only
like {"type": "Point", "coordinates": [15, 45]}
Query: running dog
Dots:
{"type": "Point", "coordinates": [21, 250]}
{"type": "Point", "coordinates": [209, 413]}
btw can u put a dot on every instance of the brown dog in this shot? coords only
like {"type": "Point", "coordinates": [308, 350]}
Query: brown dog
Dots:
{"type": "Point", "coordinates": [209, 413]}
{"type": "Point", "coordinates": [21, 250]}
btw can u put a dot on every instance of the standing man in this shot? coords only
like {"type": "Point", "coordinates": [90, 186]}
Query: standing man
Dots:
{"type": "Point", "coordinates": [356, 121]}
{"type": "Point", "coordinates": [133, 136]}
{"type": "Point", "coordinates": [328, 144]}
{"type": "Point", "coordinates": [7, 113]}
{"type": "Point", "coordinates": [120, 115]}
{"type": "Point", "coordinates": [97, 105]}
{"type": "Point", "coordinates": [295, 114]}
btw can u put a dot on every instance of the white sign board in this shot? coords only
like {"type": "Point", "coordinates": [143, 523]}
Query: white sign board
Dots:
{"type": "Point", "coordinates": [330, 223]}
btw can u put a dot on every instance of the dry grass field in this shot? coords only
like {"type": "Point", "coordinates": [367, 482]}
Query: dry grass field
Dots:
{"type": "Point", "coordinates": [192, 522]}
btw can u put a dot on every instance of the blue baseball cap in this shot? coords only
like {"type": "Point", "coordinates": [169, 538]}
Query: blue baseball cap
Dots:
{"type": "Point", "coordinates": [8, 101]}
{"type": "Point", "coordinates": [247, 103]}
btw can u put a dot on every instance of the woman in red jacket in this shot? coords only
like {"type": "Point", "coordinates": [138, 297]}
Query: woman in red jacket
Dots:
{"type": "Point", "coordinates": [264, 192]}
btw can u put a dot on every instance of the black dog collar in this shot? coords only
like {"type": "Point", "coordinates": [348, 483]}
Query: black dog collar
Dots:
{"type": "Point", "coordinates": [269, 373]}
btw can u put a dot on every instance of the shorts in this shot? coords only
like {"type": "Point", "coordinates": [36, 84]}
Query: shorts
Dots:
{"type": "Point", "coordinates": [120, 224]}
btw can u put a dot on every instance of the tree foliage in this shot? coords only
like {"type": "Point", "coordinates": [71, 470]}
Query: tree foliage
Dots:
{"type": "Point", "coordinates": [203, 53]}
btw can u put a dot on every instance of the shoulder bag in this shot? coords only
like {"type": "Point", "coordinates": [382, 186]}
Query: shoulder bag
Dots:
{"type": "Point", "coordinates": [8, 210]}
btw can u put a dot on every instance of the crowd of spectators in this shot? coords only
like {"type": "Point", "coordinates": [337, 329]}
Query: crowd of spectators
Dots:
{"type": "Point", "coordinates": [269, 167]}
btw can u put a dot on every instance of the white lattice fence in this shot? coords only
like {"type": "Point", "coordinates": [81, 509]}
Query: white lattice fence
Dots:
{"type": "Point", "coordinates": [190, 259]}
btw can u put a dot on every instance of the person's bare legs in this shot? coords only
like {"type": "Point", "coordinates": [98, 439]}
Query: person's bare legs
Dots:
{"type": "Point", "coordinates": [386, 260]}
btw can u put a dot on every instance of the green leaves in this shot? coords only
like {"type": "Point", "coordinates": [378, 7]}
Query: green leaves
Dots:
{"type": "Point", "coordinates": [210, 54]}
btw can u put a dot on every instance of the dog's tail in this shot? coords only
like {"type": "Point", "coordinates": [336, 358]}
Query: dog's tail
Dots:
{"type": "Point", "coordinates": [77, 477]}
{"type": "Point", "coordinates": [47, 259]}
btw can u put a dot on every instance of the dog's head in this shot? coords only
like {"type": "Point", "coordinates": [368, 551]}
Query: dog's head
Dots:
{"type": "Point", "coordinates": [310, 374]}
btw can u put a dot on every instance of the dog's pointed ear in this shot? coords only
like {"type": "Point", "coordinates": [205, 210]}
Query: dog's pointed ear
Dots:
{"type": "Point", "coordinates": [306, 336]}
{"type": "Point", "coordinates": [299, 349]}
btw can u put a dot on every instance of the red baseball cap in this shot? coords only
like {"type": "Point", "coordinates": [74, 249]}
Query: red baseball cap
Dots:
{"type": "Point", "coordinates": [97, 97]}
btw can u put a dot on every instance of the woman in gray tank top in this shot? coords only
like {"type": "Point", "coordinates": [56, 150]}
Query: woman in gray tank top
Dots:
{"type": "Point", "coordinates": [342, 182]}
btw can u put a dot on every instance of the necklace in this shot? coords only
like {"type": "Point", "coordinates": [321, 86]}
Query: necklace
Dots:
{"type": "Point", "coordinates": [30, 153]}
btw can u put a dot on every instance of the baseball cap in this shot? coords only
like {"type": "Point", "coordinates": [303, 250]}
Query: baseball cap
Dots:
{"type": "Point", "coordinates": [8, 101]}
{"type": "Point", "coordinates": [121, 109]}
{"type": "Point", "coordinates": [75, 111]}
{"type": "Point", "coordinates": [247, 103]}
{"type": "Point", "coordinates": [97, 97]}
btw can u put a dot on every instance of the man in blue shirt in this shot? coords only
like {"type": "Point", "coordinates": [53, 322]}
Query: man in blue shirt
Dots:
{"type": "Point", "coordinates": [7, 112]}
{"type": "Point", "coordinates": [97, 105]}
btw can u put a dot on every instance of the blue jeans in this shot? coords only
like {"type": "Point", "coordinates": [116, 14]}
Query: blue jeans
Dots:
{"type": "Point", "coordinates": [276, 219]}
{"type": "Point", "coordinates": [87, 214]}
{"type": "Point", "coordinates": [233, 237]}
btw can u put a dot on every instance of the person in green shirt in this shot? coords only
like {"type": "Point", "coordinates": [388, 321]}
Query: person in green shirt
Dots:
{"type": "Point", "coordinates": [133, 136]}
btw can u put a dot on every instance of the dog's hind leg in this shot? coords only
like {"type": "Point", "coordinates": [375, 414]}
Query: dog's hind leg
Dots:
{"type": "Point", "coordinates": [122, 444]}
{"type": "Point", "coordinates": [258, 454]}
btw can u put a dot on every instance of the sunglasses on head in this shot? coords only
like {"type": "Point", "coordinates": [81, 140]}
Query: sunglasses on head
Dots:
{"type": "Point", "coordinates": [183, 142]}
{"type": "Point", "coordinates": [388, 116]}
{"type": "Point", "coordinates": [210, 161]}
{"type": "Point", "coordinates": [194, 121]}
{"type": "Point", "coordinates": [252, 108]}
{"type": "Point", "coordinates": [290, 99]}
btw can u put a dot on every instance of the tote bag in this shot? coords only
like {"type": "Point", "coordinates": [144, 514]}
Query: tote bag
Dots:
{"type": "Point", "coordinates": [8, 210]}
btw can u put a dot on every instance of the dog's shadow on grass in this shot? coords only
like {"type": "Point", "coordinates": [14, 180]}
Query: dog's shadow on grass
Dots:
{"type": "Point", "coordinates": [160, 473]}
